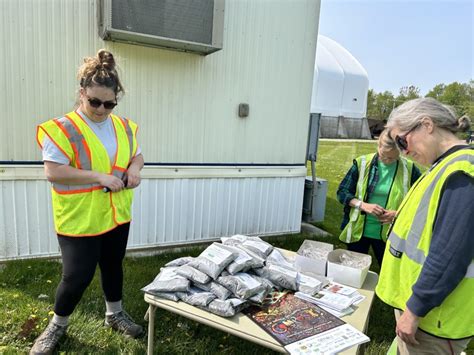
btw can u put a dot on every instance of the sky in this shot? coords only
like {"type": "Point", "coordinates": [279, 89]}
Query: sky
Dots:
{"type": "Point", "coordinates": [403, 43]}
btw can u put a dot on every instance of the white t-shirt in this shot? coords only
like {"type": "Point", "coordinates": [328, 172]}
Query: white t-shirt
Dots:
{"type": "Point", "coordinates": [103, 130]}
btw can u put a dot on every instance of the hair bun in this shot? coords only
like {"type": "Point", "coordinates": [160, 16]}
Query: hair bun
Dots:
{"type": "Point", "coordinates": [464, 123]}
{"type": "Point", "coordinates": [106, 59]}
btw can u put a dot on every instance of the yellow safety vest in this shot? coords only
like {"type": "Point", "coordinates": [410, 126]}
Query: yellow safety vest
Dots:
{"type": "Point", "coordinates": [408, 245]}
{"type": "Point", "coordinates": [353, 230]}
{"type": "Point", "coordinates": [85, 210]}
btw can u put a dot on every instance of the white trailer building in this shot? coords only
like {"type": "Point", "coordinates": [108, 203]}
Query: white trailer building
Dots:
{"type": "Point", "coordinates": [209, 172]}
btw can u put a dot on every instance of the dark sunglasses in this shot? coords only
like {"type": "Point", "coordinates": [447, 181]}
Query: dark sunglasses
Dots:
{"type": "Point", "coordinates": [401, 141]}
{"type": "Point", "coordinates": [96, 103]}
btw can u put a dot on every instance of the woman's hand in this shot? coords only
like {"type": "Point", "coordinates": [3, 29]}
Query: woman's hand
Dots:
{"type": "Point", "coordinates": [133, 177]}
{"type": "Point", "coordinates": [406, 327]}
{"type": "Point", "coordinates": [372, 208]}
{"type": "Point", "coordinates": [133, 172]}
{"type": "Point", "coordinates": [113, 183]}
{"type": "Point", "coordinates": [387, 217]}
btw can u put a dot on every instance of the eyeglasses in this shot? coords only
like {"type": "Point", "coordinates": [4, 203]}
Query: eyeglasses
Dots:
{"type": "Point", "coordinates": [96, 103]}
{"type": "Point", "coordinates": [401, 141]}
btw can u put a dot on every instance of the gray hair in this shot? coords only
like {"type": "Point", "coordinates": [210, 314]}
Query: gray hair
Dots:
{"type": "Point", "coordinates": [385, 141]}
{"type": "Point", "coordinates": [411, 113]}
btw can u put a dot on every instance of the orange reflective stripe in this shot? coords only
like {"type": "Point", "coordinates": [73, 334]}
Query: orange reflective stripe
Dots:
{"type": "Point", "coordinates": [37, 136]}
{"type": "Point", "coordinates": [94, 234]}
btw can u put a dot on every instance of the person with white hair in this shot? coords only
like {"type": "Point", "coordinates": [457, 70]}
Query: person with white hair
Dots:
{"type": "Point", "coordinates": [428, 270]}
{"type": "Point", "coordinates": [371, 192]}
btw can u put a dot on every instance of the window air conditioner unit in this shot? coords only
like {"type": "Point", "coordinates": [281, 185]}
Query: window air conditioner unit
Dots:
{"type": "Point", "coordinates": [184, 25]}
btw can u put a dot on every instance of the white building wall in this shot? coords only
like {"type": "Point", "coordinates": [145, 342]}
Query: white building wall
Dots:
{"type": "Point", "coordinates": [185, 104]}
{"type": "Point", "coordinates": [212, 173]}
{"type": "Point", "coordinates": [201, 205]}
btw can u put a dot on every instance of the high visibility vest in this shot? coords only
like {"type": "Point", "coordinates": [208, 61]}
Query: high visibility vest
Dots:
{"type": "Point", "coordinates": [408, 245]}
{"type": "Point", "coordinates": [85, 210]}
{"type": "Point", "coordinates": [353, 230]}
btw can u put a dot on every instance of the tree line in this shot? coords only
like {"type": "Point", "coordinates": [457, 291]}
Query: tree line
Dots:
{"type": "Point", "coordinates": [458, 95]}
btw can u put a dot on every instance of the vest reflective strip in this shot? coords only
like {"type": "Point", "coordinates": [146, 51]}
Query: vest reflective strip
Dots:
{"type": "Point", "coordinates": [470, 271]}
{"type": "Point", "coordinates": [410, 245]}
{"type": "Point", "coordinates": [76, 138]}
{"type": "Point", "coordinates": [405, 177]}
{"type": "Point", "coordinates": [129, 132]}
{"type": "Point", "coordinates": [80, 148]}
{"type": "Point", "coordinates": [75, 189]}
{"type": "Point", "coordinates": [355, 211]}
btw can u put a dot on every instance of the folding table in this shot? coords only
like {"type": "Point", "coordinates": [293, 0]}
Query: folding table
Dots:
{"type": "Point", "coordinates": [242, 326]}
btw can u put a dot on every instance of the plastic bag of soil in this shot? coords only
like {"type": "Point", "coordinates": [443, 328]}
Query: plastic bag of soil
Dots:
{"type": "Point", "coordinates": [193, 274]}
{"type": "Point", "coordinates": [213, 260]}
{"type": "Point", "coordinates": [196, 297]}
{"type": "Point", "coordinates": [241, 284]}
{"type": "Point", "coordinates": [180, 261]}
{"type": "Point", "coordinates": [280, 276]}
{"type": "Point", "coordinates": [227, 308]}
{"type": "Point", "coordinates": [220, 291]}
{"type": "Point", "coordinates": [168, 281]}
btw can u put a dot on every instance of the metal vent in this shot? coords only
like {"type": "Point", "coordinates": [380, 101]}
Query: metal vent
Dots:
{"type": "Point", "coordinates": [187, 25]}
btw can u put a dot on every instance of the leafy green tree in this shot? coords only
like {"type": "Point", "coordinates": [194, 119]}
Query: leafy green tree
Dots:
{"type": "Point", "coordinates": [436, 92]}
{"type": "Point", "coordinates": [379, 105]}
{"type": "Point", "coordinates": [458, 95]}
{"type": "Point", "coordinates": [371, 111]}
{"type": "Point", "coordinates": [407, 93]}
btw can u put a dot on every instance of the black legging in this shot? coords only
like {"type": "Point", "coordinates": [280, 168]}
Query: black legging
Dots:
{"type": "Point", "coordinates": [80, 256]}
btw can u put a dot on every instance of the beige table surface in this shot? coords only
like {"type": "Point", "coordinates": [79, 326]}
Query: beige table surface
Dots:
{"type": "Point", "coordinates": [242, 326]}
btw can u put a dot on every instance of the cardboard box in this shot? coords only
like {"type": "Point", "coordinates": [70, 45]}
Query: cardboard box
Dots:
{"type": "Point", "coordinates": [308, 264]}
{"type": "Point", "coordinates": [345, 274]}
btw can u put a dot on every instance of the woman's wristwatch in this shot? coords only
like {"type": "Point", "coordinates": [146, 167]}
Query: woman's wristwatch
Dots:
{"type": "Point", "coordinates": [358, 204]}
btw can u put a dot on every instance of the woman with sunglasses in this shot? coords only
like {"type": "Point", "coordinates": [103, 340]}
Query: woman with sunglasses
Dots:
{"type": "Point", "coordinates": [371, 191]}
{"type": "Point", "coordinates": [93, 161]}
{"type": "Point", "coordinates": [428, 270]}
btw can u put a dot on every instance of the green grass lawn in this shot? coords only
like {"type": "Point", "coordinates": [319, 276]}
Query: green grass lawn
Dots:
{"type": "Point", "coordinates": [23, 315]}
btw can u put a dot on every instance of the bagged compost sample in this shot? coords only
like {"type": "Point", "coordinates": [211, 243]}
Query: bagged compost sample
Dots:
{"type": "Point", "coordinates": [227, 308]}
{"type": "Point", "coordinates": [280, 276]}
{"type": "Point", "coordinates": [234, 240]}
{"type": "Point", "coordinates": [242, 285]}
{"type": "Point", "coordinates": [277, 258]}
{"type": "Point", "coordinates": [259, 297]}
{"type": "Point", "coordinates": [257, 246]}
{"type": "Point", "coordinates": [167, 281]}
{"type": "Point", "coordinates": [213, 260]}
{"type": "Point", "coordinates": [220, 291]}
{"type": "Point", "coordinates": [180, 261]}
{"type": "Point", "coordinates": [309, 284]}
{"type": "Point", "coordinates": [172, 296]}
{"type": "Point", "coordinates": [242, 262]}
{"type": "Point", "coordinates": [196, 297]}
{"type": "Point", "coordinates": [193, 274]}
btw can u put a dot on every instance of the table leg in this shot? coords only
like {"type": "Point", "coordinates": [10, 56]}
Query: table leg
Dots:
{"type": "Point", "coordinates": [151, 328]}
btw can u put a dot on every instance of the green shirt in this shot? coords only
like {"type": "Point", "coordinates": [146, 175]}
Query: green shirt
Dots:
{"type": "Point", "coordinates": [373, 227]}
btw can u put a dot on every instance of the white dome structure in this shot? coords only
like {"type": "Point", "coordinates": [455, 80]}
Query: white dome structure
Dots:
{"type": "Point", "coordinates": [340, 87]}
